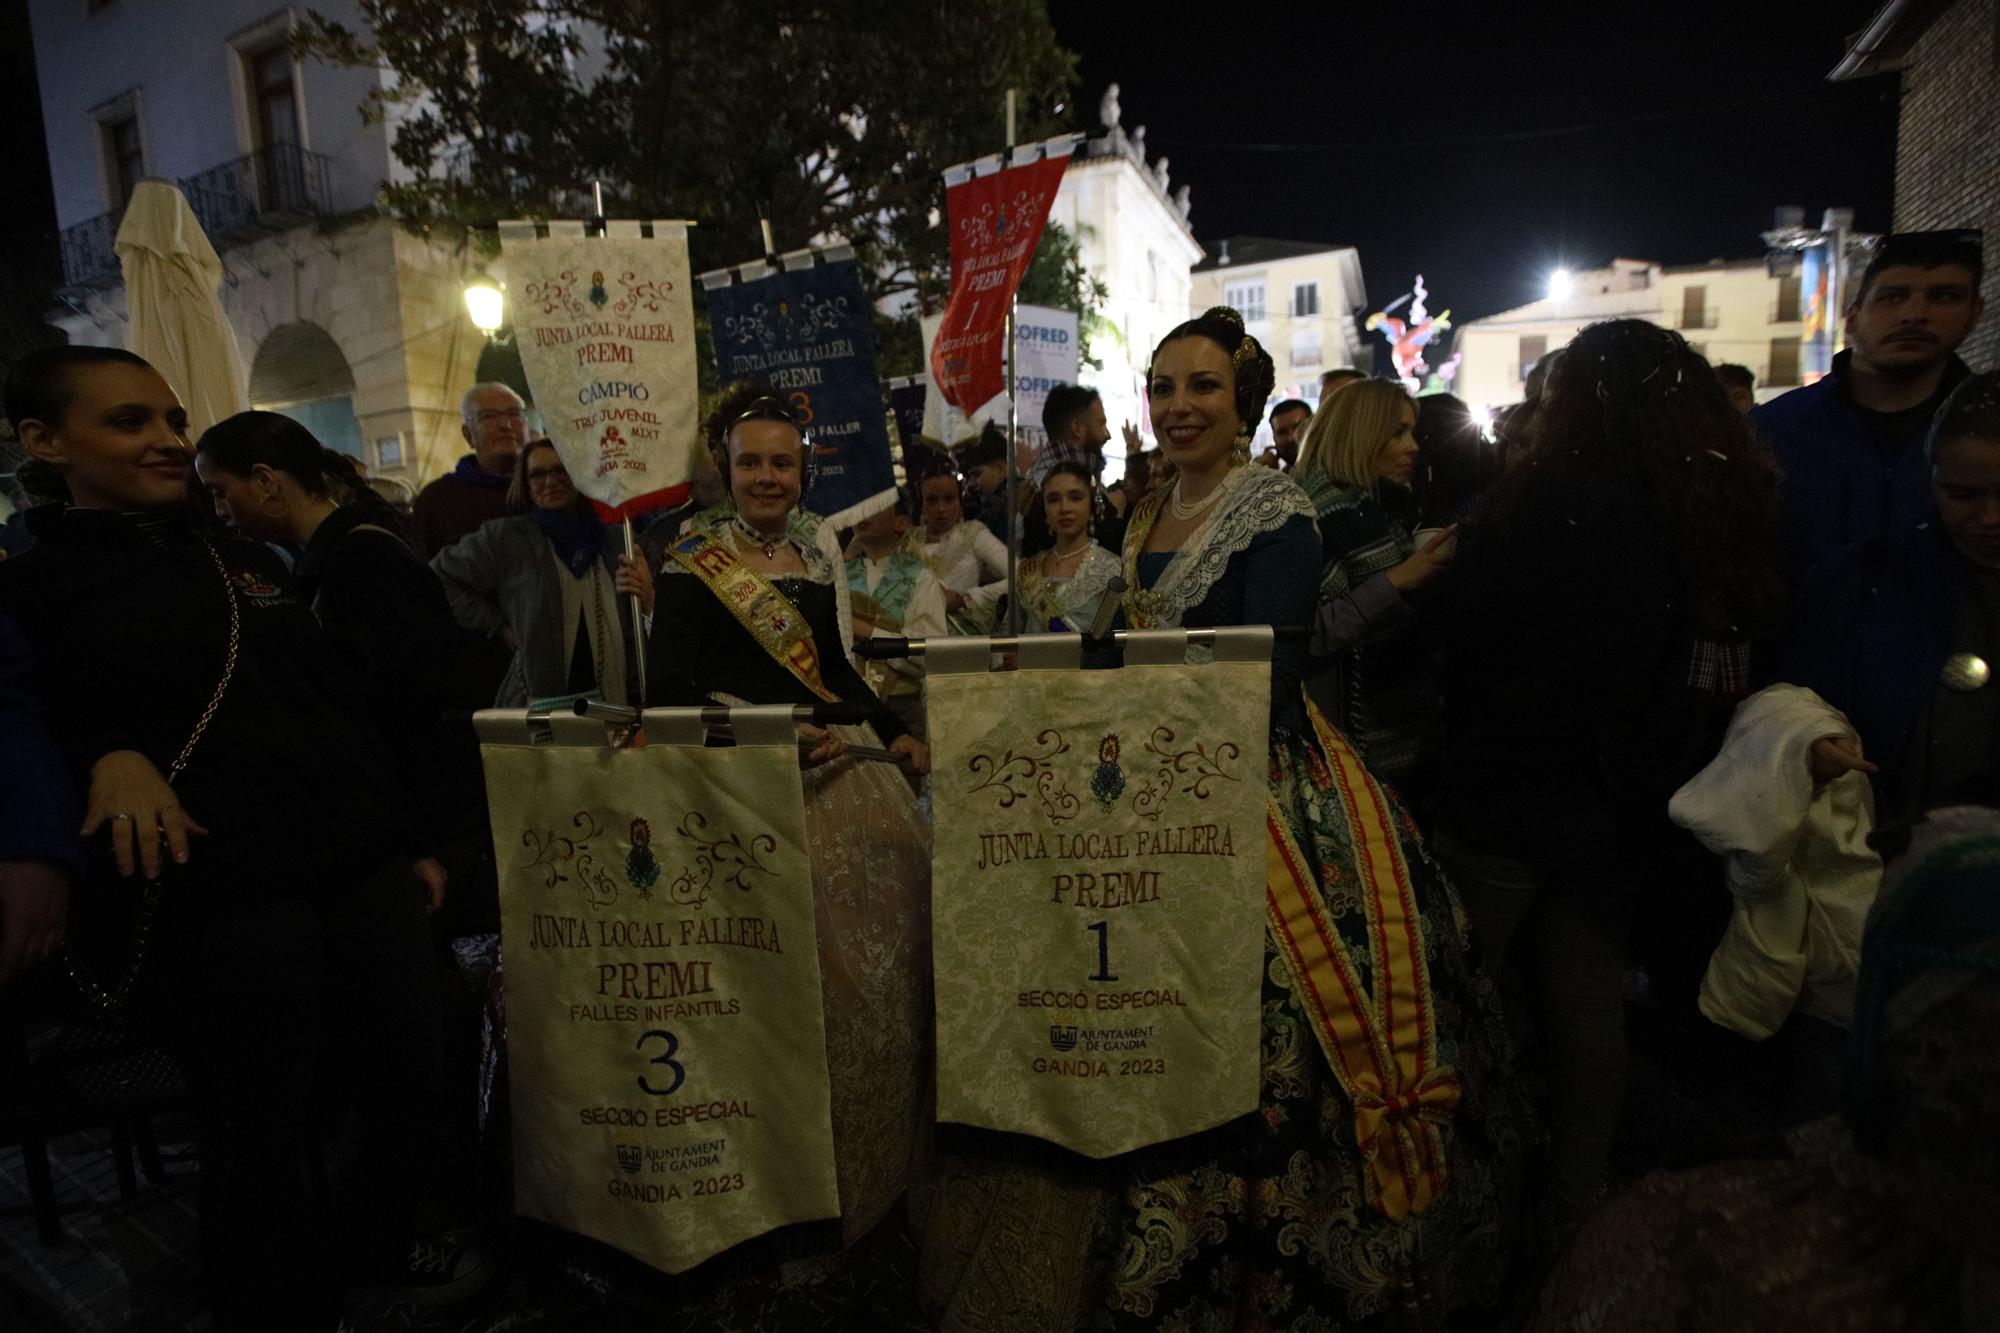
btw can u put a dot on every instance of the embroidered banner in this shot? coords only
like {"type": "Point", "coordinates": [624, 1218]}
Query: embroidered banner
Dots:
{"type": "Point", "coordinates": [997, 212]}
{"type": "Point", "coordinates": [1099, 874]}
{"type": "Point", "coordinates": [664, 1025]}
{"type": "Point", "coordinates": [804, 327]}
{"type": "Point", "coordinates": [606, 332]}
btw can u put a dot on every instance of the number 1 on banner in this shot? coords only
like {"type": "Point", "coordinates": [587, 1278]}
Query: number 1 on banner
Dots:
{"type": "Point", "coordinates": [1104, 972]}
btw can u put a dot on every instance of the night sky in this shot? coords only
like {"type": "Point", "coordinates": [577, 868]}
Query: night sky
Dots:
{"type": "Point", "coordinates": [1483, 144]}
{"type": "Point", "coordinates": [1479, 144]}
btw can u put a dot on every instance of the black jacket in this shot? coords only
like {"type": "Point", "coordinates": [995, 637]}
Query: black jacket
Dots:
{"type": "Point", "coordinates": [130, 626]}
{"type": "Point", "coordinates": [393, 644]}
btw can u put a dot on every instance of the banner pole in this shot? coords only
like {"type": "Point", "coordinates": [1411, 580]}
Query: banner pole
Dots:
{"type": "Point", "coordinates": [1013, 434]}
{"type": "Point", "coordinates": [638, 618]}
{"type": "Point", "coordinates": [595, 227]}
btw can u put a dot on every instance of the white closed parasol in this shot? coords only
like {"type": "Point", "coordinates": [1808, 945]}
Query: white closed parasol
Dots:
{"type": "Point", "coordinates": [172, 275]}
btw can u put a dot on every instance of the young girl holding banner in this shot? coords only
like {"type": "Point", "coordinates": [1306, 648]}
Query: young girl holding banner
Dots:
{"type": "Point", "coordinates": [746, 614]}
{"type": "Point", "coordinates": [1382, 1177]}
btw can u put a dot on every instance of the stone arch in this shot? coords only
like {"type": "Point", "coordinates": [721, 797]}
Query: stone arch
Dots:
{"type": "Point", "coordinates": [301, 372]}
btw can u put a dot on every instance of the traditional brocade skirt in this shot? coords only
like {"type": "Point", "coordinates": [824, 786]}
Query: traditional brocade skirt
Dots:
{"type": "Point", "coordinates": [871, 866]}
{"type": "Point", "coordinates": [1272, 1228]}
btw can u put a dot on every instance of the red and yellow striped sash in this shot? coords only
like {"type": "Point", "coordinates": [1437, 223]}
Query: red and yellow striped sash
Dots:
{"type": "Point", "coordinates": [1382, 1045]}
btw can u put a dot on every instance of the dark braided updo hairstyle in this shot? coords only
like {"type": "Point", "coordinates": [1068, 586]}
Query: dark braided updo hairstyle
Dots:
{"type": "Point", "coordinates": [1255, 373]}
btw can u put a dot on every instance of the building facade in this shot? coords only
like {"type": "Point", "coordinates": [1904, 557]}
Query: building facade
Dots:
{"type": "Point", "coordinates": [347, 322]}
{"type": "Point", "coordinates": [1298, 298]}
{"type": "Point", "coordinates": [1729, 310]}
{"type": "Point", "coordinates": [1734, 311]}
{"type": "Point", "coordinates": [1948, 129]}
{"type": "Point", "coordinates": [1133, 236]}
{"type": "Point", "coordinates": [1498, 353]}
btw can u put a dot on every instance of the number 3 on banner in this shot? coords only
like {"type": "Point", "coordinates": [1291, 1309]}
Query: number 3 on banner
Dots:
{"type": "Point", "coordinates": [1104, 972]}
{"type": "Point", "coordinates": [666, 1058]}
{"type": "Point", "coordinates": [802, 407]}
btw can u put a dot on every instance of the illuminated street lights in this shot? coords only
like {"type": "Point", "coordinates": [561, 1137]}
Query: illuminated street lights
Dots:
{"type": "Point", "coordinates": [1561, 284]}
{"type": "Point", "coordinates": [487, 306]}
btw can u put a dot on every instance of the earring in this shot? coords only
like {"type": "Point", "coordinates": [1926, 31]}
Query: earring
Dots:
{"type": "Point", "coordinates": [1241, 453]}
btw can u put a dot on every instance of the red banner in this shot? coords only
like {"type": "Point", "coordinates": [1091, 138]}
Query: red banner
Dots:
{"type": "Point", "coordinates": [996, 222]}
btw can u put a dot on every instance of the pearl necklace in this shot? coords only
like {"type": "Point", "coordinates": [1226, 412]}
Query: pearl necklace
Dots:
{"type": "Point", "coordinates": [1064, 557]}
{"type": "Point", "coordinates": [1184, 512]}
{"type": "Point", "coordinates": [769, 545]}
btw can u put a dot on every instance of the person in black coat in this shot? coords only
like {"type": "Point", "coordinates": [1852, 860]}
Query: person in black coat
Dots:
{"type": "Point", "coordinates": [276, 934]}
{"type": "Point", "coordinates": [1597, 630]}
{"type": "Point", "coordinates": [385, 622]}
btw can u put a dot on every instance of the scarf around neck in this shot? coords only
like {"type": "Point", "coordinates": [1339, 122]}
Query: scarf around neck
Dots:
{"type": "Point", "coordinates": [469, 472]}
{"type": "Point", "coordinates": [576, 534]}
{"type": "Point", "coordinates": [1358, 534]}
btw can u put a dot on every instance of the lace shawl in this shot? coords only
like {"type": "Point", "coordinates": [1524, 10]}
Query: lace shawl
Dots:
{"type": "Point", "coordinates": [1254, 500]}
{"type": "Point", "coordinates": [1052, 599]}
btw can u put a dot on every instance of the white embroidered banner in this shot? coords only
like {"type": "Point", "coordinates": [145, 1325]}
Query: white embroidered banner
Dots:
{"type": "Point", "coordinates": [1099, 903]}
{"type": "Point", "coordinates": [664, 1028]}
{"type": "Point", "coordinates": [605, 326]}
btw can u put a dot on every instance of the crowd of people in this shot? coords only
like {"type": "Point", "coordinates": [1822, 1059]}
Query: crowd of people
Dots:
{"type": "Point", "coordinates": [241, 800]}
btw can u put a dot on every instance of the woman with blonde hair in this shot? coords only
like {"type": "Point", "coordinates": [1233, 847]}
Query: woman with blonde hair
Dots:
{"type": "Point", "coordinates": [1375, 675]}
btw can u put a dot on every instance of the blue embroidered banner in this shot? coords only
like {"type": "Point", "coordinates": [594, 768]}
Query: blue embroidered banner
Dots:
{"type": "Point", "coordinates": [803, 327]}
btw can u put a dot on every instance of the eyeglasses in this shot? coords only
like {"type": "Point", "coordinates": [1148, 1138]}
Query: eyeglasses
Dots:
{"type": "Point", "coordinates": [542, 475]}
{"type": "Point", "coordinates": [492, 414]}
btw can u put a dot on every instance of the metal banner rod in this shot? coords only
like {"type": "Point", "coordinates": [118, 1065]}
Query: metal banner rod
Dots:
{"type": "Point", "coordinates": [639, 636]}
{"type": "Point", "coordinates": [714, 715]}
{"type": "Point", "coordinates": [1013, 533]}
{"type": "Point", "coordinates": [885, 648]}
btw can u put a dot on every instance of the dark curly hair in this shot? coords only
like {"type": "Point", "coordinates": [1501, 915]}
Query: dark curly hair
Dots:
{"type": "Point", "coordinates": [1255, 374]}
{"type": "Point", "coordinates": [1630, 397]}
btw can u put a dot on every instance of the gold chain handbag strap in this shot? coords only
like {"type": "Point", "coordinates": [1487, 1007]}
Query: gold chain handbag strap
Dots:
{"type": "Point", "coordinates": [111, 1000]}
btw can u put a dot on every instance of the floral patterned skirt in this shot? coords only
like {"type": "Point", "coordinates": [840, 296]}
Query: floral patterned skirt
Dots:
{"type": "Point", "coordinates": [1275, 1231]}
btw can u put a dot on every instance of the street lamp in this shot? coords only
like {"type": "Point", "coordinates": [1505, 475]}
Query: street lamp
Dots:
{"type": "Point", "coordinates": [486, 305]}
{"type": "Point", "coordinates": [1561, 283]}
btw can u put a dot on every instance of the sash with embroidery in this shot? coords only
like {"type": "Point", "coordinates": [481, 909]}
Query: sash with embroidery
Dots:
{"type": "Point", "coordinates": [1382, 1046]}
{"type": "Point", "coordinates": [758, 606]}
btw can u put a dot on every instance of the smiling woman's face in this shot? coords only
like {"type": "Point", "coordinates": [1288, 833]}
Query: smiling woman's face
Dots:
{"type": "Point", "coordinates": [121, 444]}
{"type": "Point", "coordinates": [1192, 395]}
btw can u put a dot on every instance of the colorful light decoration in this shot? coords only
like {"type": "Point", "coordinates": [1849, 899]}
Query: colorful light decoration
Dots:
{"type": "Point", "coordinates": [1408, 338]}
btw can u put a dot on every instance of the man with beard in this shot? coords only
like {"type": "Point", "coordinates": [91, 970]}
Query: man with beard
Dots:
{"type": "Point", "coordinates": [1848, 445]}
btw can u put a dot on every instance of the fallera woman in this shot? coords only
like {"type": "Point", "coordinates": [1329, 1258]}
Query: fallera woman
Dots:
{"type": "Point", "coordinates": [963, 552]}
{"type": "Point", "coordinates": [1063, 586]}
{"type": "Point", "coordinates": [1379, 1184]}
{"type": "Point", "coordinates": [746, 615]}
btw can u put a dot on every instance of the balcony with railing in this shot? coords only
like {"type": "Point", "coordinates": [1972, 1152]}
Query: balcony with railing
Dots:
{"type": "Point", "coordinates": [267, 191]}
